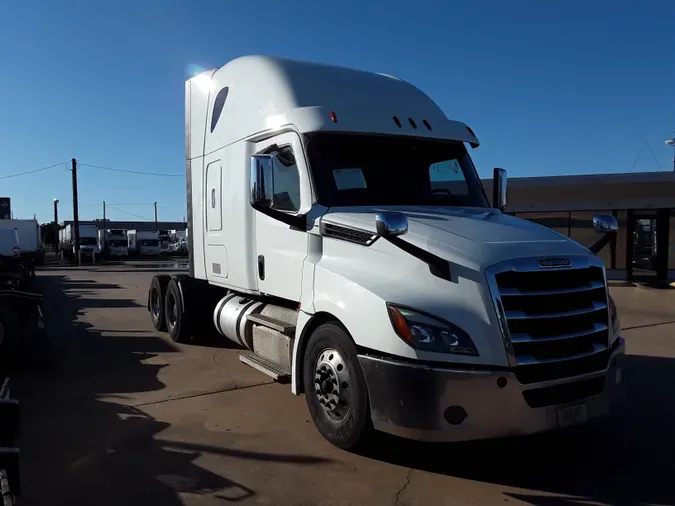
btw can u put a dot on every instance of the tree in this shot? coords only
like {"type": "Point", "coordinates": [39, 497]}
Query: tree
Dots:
{"type": "Point", "coordinates": [49, 233]}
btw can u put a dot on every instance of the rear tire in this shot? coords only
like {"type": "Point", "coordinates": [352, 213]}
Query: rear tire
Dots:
{"type": "Point", "coordinates": [156, 298]}
{"type": "Point", "coordinates": [175, 316]}
{"type": "Point", "coordinates": [335, 388]}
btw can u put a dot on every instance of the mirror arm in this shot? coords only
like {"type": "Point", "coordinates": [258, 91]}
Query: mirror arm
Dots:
{"type": "Point", "coordinates": [601, 243]}
{"type": "Point", "coordinates": [295, 221]}
{"type": "Point", "coordinates": [437, 265]}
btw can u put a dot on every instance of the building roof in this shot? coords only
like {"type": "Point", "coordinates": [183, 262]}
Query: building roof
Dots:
{"type": "Point", "coordinates": [588, 192]}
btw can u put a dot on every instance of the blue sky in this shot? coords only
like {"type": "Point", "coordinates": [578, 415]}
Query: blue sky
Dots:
{"type": "Point", "coordinates": [554, 87]}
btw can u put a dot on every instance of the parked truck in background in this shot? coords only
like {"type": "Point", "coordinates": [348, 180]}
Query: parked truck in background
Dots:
{"type": "Point", "coordinates": [177, 234]}
{"type": "Point", "coordinates": [339, 232]}
{"type": "Point", "coordinates": [29, 238]}
{"type": "Point", "coordinates": [143, 242]}
{"type": "Point", "coordinates": [164, 237]}
{"type": "Point", "coordinates": [113, 242]}
{"type": "Point", "coordinates": [88, 240]}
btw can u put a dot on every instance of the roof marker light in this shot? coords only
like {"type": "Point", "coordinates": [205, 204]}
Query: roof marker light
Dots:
{"type": "Point", "coordinates": [412, 123]}
{"type": "Point", "coordinates": [396, 120]}
{"type": "Point", "coordinates": [426, 124]}
{"type": "Point", "coordinates": [333, 117]}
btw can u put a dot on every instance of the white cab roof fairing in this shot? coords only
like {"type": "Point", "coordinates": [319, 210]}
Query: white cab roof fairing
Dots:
{"type": "Point", "coordinates": [266, 93]}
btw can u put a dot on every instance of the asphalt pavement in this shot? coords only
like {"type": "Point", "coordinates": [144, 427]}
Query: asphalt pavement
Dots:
{"type": "Point", "coordinates": [124, 416]}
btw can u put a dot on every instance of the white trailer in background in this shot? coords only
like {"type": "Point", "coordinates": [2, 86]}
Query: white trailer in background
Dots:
{"type": "Point", "coordinates": [9, 243]}
{"type": "Point", "coordinates": [88, 240]}
{"type": "Point", "coordinates": [29, 238]}
{"type": "Point", "coordinates": [143, 242]}
{"type": "Point", "coordinates": [339, 233]}
{"type": "Point", "coordinates": [113, 242]}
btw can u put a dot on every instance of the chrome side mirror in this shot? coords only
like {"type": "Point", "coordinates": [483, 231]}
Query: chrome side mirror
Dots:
{"type": "Point", "coordinates": [499, 189]}
{"type": "Point", "coordinates": [391, 224]}
{"type": "Point", "coordinates": [262, 180]}
{"type": "Point", "coordinates": [603, 223]}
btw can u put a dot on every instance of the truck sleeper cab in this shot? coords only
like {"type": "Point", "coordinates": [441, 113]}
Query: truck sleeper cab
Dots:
{"type": "Point", "coordinates": [338, 232]}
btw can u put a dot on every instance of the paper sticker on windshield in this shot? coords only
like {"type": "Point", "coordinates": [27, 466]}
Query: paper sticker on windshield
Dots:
{"type": "Point", "coordinates": [349, 179]}
{"type": "Point", "coordinates": [448, 170]}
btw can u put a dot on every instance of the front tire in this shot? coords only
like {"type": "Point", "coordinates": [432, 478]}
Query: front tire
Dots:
{"type": "Point", "coordinates": [174, 314]}
{"type": "Point", "coordinates": [335, 388]}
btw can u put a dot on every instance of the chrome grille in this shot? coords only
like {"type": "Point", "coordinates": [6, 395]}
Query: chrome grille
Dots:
{"type": "Point", "coordinates": [555, 319]}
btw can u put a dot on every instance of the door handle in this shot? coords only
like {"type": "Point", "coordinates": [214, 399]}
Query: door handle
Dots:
{"type": "Point", "coordinates": [261, 267]}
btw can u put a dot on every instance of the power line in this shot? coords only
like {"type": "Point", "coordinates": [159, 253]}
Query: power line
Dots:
{"type": "Point", "coordinates": [637, 158]}
{"type": "Point", "coordinates": [653, 155]}
{"type": "Point", "coordinates": [127, 212]}
{"type": "Point", "coordinates": [33, 171]}
{"type": "Point", "coordinates": [130, 171]}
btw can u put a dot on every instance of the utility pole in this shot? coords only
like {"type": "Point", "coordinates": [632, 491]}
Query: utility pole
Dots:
{"type": "Point", "coordinates": [56, 211]}
{"type": "Point", "coordinates": [76, 218]}
{"type": "Point", "coordinates": [104, 227]}
{"type": "Point", "coordinates": [156, 224]}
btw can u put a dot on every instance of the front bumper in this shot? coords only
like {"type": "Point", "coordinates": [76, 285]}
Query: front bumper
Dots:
{"type": "Point", "coordinates": [412, 400]}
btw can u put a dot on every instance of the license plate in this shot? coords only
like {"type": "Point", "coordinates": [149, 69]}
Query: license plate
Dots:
{"type": "Point", "coordinates": [569, 415]}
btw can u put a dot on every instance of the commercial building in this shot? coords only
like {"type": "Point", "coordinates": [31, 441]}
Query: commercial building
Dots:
{"type": "Point", "coordinates": [132, 225]}
{"type": "Point", "coordinates": [643, 203]}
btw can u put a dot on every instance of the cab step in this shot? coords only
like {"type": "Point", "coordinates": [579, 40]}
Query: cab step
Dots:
{"type": "Point", "coordinates": [264, 366]}
{"type": "Point", "coordinates": [284, 328]}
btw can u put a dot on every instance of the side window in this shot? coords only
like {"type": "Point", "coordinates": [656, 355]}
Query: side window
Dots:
{"type": "Point", "coordinates": [218, 105]}
{"type": "Point", "coordinates": [286, 181]}
{"type": "Point", "coordinates": [447, 178]}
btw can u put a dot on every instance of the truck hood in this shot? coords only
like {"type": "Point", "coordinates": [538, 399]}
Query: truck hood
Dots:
{"type": "Point", "coordinates": [476, 236]}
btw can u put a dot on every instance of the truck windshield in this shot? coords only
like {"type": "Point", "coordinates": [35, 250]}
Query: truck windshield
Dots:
{"type": "Point", "coordinates": [149, 242]}
{"type": "Point", "coordinates": [367, 170]}
{"type": "Point", "coordinates": [88, 241]}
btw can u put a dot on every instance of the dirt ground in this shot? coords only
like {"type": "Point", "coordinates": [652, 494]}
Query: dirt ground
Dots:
{"type": "Point", "coordinates": [124, 416]}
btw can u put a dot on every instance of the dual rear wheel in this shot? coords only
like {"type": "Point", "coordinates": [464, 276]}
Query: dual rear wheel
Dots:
{"type": "Point", "coordinates": [166, 308]}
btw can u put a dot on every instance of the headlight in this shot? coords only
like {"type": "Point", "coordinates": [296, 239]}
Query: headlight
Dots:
{"type": "Point", "coordinates": [424, 332]}
{"type": "Point", "coordinates": [614, 319]}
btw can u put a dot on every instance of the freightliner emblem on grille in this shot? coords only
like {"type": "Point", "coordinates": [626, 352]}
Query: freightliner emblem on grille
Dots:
{"type": "Point", "coordinates": [554, 262]}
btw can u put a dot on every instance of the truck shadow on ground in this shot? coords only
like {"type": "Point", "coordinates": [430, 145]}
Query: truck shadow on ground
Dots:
{"type": "Point", "coordinates": [81, 444]}
{"type": "Point", "coordinates": [619, 461]}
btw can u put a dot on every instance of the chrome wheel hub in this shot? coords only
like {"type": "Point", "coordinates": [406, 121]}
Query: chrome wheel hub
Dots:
{"type": "Point", "coordinates": [331, 385]}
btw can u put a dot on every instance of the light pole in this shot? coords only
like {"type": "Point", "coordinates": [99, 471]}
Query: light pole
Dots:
{"type": "Point", "coordinates": [671, 142]}
{"type": "Point", "coordinates": [56, 211]}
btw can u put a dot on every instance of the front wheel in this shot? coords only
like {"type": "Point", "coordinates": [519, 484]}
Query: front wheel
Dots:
{"type": "Point", "coordinates": [335, 388]}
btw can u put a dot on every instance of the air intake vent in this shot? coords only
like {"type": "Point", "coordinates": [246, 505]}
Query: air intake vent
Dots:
{"type": "Point", "coordinates": [347, 234]}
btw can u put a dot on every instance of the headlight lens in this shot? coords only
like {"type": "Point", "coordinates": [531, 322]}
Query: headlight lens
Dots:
{"type": "Point", "coordinates": [614, 318]}
{"type": "Point", "coordinates": [424, 332]}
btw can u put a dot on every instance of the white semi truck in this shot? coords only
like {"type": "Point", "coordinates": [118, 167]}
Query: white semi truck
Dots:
{"type": "Point", "coordinates": [340, 234]}
{"type": "Point", "coordinates": [113, 242]}
{"type": "Point", "coordinates": [143, 242]}
{"type": "Point", "coordinates": [88, 240]}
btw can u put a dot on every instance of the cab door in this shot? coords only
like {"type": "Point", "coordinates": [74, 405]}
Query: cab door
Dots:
{"type": "Point", "coordinates": [281, 249]}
